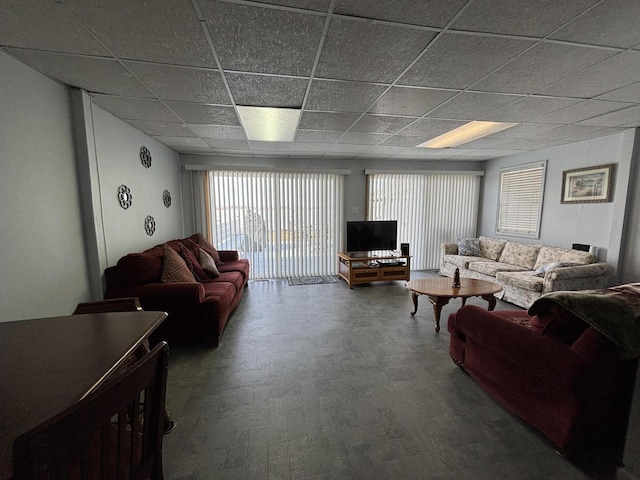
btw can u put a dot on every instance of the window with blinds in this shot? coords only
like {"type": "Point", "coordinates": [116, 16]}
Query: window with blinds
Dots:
{"type": "Point", "coordinates": [430, 209]}
{"type": "Point", "coordinates": [520, 200]}
{"type": "Point", "coordinates": [286, 224]}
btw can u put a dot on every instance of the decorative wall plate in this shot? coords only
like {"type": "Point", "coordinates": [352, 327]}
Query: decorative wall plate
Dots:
{"type": "Point", "coordinates": [124, 196]}
{"type": "Point", "coordinates": [166, 198]}
{"type": "Point", "coordinates": [145, 157]}
{"type": "Point", "coordinates": [150, 225]}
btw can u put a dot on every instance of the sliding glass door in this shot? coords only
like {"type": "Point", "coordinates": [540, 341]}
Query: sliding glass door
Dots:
{"type": "Point", "coordinates": [286, 224]}
{"type": "Point", "coordinates": [430, 209]}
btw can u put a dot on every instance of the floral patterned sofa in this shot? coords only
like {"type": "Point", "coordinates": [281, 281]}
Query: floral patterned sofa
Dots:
{"type": "Point", "coordinates": [525, 271]}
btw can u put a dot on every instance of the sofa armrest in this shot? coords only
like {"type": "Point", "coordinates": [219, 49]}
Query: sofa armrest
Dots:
{"type": "Point", "coordinates": [448, 249]}
{"type": "Point", "coordinates": [154, 295]}
{"type": "Point", "coordinates": [539, 355]}
{"type": "Point", "coordinates": [579, 277]}
{"type": "Point", "coordinates": [228, 255]}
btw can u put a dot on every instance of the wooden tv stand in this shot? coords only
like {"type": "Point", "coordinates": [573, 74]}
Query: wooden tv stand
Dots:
{"type": "Point", "coordinates": [364, 267]}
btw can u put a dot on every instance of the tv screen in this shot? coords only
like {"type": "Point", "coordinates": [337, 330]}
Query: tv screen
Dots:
{"type": "Point", "coordinates": [366, 236]}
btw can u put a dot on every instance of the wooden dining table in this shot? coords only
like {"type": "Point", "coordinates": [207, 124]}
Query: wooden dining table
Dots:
{"type": "Point", "coordinates": [48, 364]}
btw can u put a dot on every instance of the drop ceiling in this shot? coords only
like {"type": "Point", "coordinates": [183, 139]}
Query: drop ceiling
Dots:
{"type": "Point", "coordinates": [373, 79]}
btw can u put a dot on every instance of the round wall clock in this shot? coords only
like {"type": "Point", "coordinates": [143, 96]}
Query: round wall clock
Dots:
{"type": "Point", "coordinates": [124, 196]}
{"type": "Point", "coordinates": [150, 225]}
{"type": "Point", "coordinates": [145, 157]}
{"type": "Point", "coordinates": [166, 198]}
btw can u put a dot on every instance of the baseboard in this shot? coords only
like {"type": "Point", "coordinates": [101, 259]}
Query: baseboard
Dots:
{"type": "Point", "coordinates": [623, 474]}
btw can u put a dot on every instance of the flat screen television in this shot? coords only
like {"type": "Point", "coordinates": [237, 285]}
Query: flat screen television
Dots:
{"type": "Point", "coordinates": [367, 236]}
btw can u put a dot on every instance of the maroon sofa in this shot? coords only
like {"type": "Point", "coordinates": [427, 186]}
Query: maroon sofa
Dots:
{"type": "Point", "coordinates": [554, 371]}
{"type": "Point", "coordinates": [199, 309]}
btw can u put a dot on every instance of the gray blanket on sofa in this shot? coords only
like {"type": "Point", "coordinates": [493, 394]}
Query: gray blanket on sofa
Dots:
{"type": "Point", "coordinates": [614, 312]}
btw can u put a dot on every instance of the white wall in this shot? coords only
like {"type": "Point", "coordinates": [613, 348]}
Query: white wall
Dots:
{"type": "Point", "coordinates": [118, 158]}
{"type": "Point", "coordinates": [597, 224]}
{"type": "Point", "coordinates": [42, 254]}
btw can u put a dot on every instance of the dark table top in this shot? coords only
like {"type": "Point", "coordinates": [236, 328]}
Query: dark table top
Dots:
{"type": "Point", "coordinates": [47, 364]}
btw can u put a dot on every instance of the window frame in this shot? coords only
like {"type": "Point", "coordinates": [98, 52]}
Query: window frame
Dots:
{"type": "Point", "coordinates": [541, 177]}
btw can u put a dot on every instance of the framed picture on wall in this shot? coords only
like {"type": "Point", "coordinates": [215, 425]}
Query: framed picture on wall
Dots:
{"type": "Point", "coordinates": [588, 185]}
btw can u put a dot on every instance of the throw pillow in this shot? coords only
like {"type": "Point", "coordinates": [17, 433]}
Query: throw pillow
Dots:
{"type": "Point", "coordinates": [208, 264]}
{"type": "Point", "coordinates": [174, 268]}
{"type": "Point", "coordinates": [469, 247]}
{"type": "Point", "coordinates": [552, 266]}
{"type": "Point", "coordinates": [207, 247]}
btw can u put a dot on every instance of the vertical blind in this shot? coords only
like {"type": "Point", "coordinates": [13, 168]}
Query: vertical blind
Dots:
{"type": "Point", "coordinates": [430, 209]}
{"type": "Point", "coordinates": [520, 200]}
{"type": "Point", "coordinates": [286, 224]}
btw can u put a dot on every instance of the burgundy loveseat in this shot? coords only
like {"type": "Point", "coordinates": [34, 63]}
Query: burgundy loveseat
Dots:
{"type": "Point", "coordinates": [198, 309]}
{"type": "Point", "coordinates": [553, 370]}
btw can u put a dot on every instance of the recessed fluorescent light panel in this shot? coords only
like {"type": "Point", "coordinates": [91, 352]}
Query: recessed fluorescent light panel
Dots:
{"type": "Point", "coordinates": [266, 124]}
{"type": "Point", "coordinates": [466, 133]}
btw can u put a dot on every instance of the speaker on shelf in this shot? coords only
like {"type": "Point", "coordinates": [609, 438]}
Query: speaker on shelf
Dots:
{"type": "Point", "coordinates": [404, 248]}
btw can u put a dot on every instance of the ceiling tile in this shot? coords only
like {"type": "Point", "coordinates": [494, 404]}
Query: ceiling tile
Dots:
{"type": "Point", "coordinates": [385, 150]}
{"type": "Point", "coordinates": [630, 93]}
{"type": "Point", "coordinates": [362, 138]}
{"type": "Point", "coordinates": [182, 142]}
{"type": "Point", "coordinates": [266, 90]}
{"type": "Point", "coordinates": [528, 108]}
{"type": "Point", "coordinates": [457, 60]}
{"type": "Point", "coordinates": [349, 148]}
{"type": "Point", "coordinates": [227, 144]}
{"type": "Point", "coordinates": [381, 124]}
{"type": "Point", "coordinates": [622, 117]}
{"type": "Point", "coordinates": [315, 5]}
{"type": "Point", "coordinates": [569, 133]}
{"type": "Point", "coordinates": [218, 131]}
{"type": "Point", "coordinates": [411, 101]}
{"type": "Point", "coordinates": [161, 128]}
{"type": "Point", "coordinates": [403, 141]}
{"type": "Point", "coordinates": [203, 113]}
{"type": "Point", "coordinates": [369, 51]}
{"type": "Point", "coordinates": [134, 108]}
{"type": "Point", "coordinates": [522, 131]}
{"type": "Point", "coordinates": [519, 17]}
{"type": "Point", "coordinates": [317, 136]}
{"type": "Point", "coordinates": [99, 75]}
{"type": "Point", "coordinates": [472, 105]}
{"type": "Point", "coordinates": [543, 65]}
{"type": "Point", "coordinates": [613, 23]}
{"type": "Point", "coordinates": [580, 111]}
{"type": "Point", "coordinates": [342, 96]}
{"type": "Point", "coordinates": [429, 128]}
{"type": "Point", "coordinates": [270, 146]}
{"type": "Point", "coordinates": [434, 13]}
{"type": "Point", "coordinates": [252, 39]}
{"type": "Point", "coordinates": [186, 84]}
{"type": "Point", "coordinates": [308, 147]}
{"type": "Point", "coordinates": [327, 121]}
{"type": "Point", "coordinates": [142, 31]}
{"type": "Point", "coordinates": [49, 28]}
{"type": "Point", "coordinates": [618, 71]}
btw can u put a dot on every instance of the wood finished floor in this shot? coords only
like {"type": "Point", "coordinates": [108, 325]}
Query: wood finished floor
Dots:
{"type": "Point", "coordinates": [326, 383]}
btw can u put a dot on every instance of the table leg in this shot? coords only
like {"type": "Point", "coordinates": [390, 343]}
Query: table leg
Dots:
{"type": "Point", "coordinates": [492, 301]}
{"type": "Point", "coordinates": [414, 297]}
{"type": "Point", "coordinates": [438, 303]}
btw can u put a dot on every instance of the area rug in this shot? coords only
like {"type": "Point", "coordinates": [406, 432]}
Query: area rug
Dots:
{"type": "Point", "coordinates": [312, 280]}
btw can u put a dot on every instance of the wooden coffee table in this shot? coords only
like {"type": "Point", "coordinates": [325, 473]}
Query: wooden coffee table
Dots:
{"type": "Point", "coordinates": [440, 291]}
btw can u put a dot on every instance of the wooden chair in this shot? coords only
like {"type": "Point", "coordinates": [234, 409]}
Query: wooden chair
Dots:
{"type": "Point", "coordinates": [96, 438]}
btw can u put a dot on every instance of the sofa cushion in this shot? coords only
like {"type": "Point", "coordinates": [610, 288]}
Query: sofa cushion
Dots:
{"type": "Point", "coordinates": [558, 323]}
{"type": "Point", "coordinates": [235, 278]}
{"type": "Point", "coordinates": [208, 265]}
{"type": "Point", "coordinates": [520, 254]}
{"type": "Point", "coordinates": [556, 254]}
{"type": "Point", "coordinates": [462, 261]}
{"type": "Point", "coordinates": [492, 268]}
{"type": "Point", "coordinates": [241, 265]}
{"type": "Point", "coordinates": [206, 246]}
{"type": "Point", "coordinates": [469, 247]}
{"type": "Point", "coordinates": [140, 268]}
{"type": "Point", "coordinates": [491, 248]}
{"type": "Point", "coordinates": [190, 259]}
{"type": "Point", "coordinates": [525, 280]}
{"type": "Point", "coordinates": [174, 268]}
{"type": "Point", "coordinates": [540, 271]}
